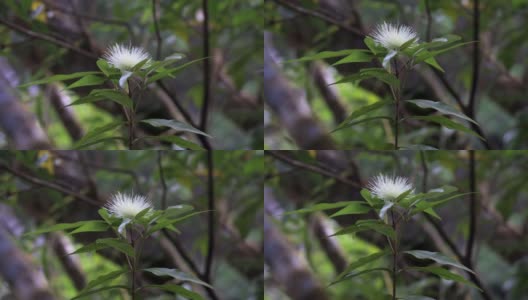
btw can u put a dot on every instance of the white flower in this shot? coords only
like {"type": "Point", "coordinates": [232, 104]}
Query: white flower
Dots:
{"type": "Point", "coordinates": [389, 188]}
{"type": "Point", "coordinates": [125, 57]}
{"type": "Point", "coordinates": [393, 37]}
{"type": "Point", "coordinates": [127, 206]}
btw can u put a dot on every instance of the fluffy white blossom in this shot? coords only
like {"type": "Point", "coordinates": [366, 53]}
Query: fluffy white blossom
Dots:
{"type": "Point", "coordinates": [389, 188]}
{"type": "Point", "coordinates": [393, 37]}
{"type": "Point", "coordinates": [127, 206]}
{"type": "Point", "coordinates": [125, 58]}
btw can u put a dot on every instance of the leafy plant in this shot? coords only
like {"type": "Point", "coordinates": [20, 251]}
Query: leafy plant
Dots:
{"type": "Point", "coordinates": [397, 51]}
{"type": "Point", "coordinates": [128, 70]}
{"type": "Point", "coordinates": [394, 201]}
{"type": "Point", "coordinates": [132, 220]}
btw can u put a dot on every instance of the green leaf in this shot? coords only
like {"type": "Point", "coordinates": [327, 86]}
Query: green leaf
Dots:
{"type": "Point", "coordinates": [92, 226]}
{"type": "Point", "coordinates": [415, 297]}
{"type": "Point", "coordinates": [56, 227]}
{"type": "Point", "coordinates": [372, 201]}
{"type": "Point", "coordinates": [104, 279]}
{"type": "Point", "coordinates": [177, 210]}
{"type": "Point", "coordinates": [364, 225]}
{"type": "Point", "coordinates": [373, 46]}
{"type": "Point", "coordinates": [432, 62]}
{"type": "Point", "coordinates": [417, 147]}
{"type": "Point", "coordinates": [106, 68]}
{"type": "Point", "coordinates": [359, 263]}
{"type": "Point", "coordinates": [140, 65]}
{"type": "Point", "coordinates": [89, 248]}
{"type": "Point", "coordinates": [171, 72]}
{"type": "Point", "coordinates": [447, 123]}
{"type": "Point", "coordinates": [358, 55]}
{"type": "Point", "coordinates": [96, 133]}
{"type": "Point", "coordinates": [319, 207]}
{"type": "Point", "coordinates": [408, 44]}
{"type": "Point", "coordinates": [358, 273]}
{"type": "Point", "coordinates": [98, 141]}
{"type": "Point", "coordinates": [441, 107]}
{"type": "Point", "coordinates": [59, 77]}
{"type": "Point", "coordinates": [378, 73]}
{"type": "Point", "coordinates": [165, 222]}
{"type": "Point", "coordinates": [362, 111]}
{"type": "Point", "coordinates": [178, 290]}
{"type": "Point", "coordinates": [174, 125]}
{"type": "Point", "coordinates": [176, 140]}
{"type": "Point", "coordinates": [354, 208]}
{"type": "Point", "coordinates": [87, 80]}
{"type": "Point", "coordinates": [117, 244]}
{"type": "Point", "coordinates": [438, 258]}
{"type": "Point", "coordinates": [353, 123]}
{"type": "Point", "coordinates": [106, 288]}
{"type": "Point", "coordinates": [176, 274]}
{"type": "Point", "coordinates": [446, 274]}
{"type": "Point", "coordinates": [323, 55]}
{"type": "Point", "coordinates": [113, 95]}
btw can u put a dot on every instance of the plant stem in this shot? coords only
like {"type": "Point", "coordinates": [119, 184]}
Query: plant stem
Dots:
{"type": "Point", "coordinates": [131, 126]}
{"type": "Point", "coordinates": [394, 254]}
{"type": "Point", "coordinates": [396, 96]}
{"type": "Point", "coordinates": [133, 265]}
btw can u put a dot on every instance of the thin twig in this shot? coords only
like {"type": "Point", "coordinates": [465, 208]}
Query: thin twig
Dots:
{"type": "Point", "coordinates": [206, 67]}
{"type": "Point", "coordinates": [162, 179]}
{"type": "Point", "coordinates": [47, 38]}
{"type": "Point", "coordinates": [319, 15]}
{"type": "Point", "coordinates": [311, 168]}
{"type": "Point", "coordinates": [211, 215]}
{"type": "Point", "coordinates": [472, 210]}
{"type": "Point", "coordinates": [43, 183]}
{"type": "Point", "coordinates": [156, 29]}
{"type": "Point", "coordinates": [429, 21]}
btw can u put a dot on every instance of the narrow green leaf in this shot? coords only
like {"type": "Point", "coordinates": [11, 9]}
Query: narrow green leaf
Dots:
{"type": "Point", "coordinates": [417, 147]}
{"type": "Point", "coordinates": [89, 248]}
{"type": "Point", "coordinates": [178, 290]}
{"type": "Point", "coordinates": [354, 208]}
{"type": "Point", "coordinates": [87, 80]}
{"type": "Point", "coordinates": [358, 273]}
{"type": "Point", "coordinates": [432, 62]}
{"type": "Point", "coordinates": [96, 291]}
{"type": "Point", "coordinates": [319, 207]}
{"type": "Point", "coordinates": [56, 227]}
{"type": "Point", "coordinates": [176, 274]}
{"type": "Point", "coordinates": [92, 226]}
{"type": "Point", "coordinates": [104, 279]}
{"type": "Point", "coordinates": [323, 55]}
{"type": "Point", "coordinates": [437, 257]}
{"type": "Point", "coordinates": [363, 110]}
{"type": "Point", "coordinates": [358, 55]}
{"type": "Point", "coordinates": [59, 77]}
{"type": "Point", "coordinates": [174, 125]}
{"type": "Point", "coordinates": [446, 274]}
{"type": "Point", "coordinates": [447, 123]}
{"type": "Point", "coordinates": [367, 225]}
{"type": "Point", "coordinates": [117, 244]}
{"type": "Point", "coordinates": [441, 107]}
{"type": "Point", "coordinates": [106, 68]}
{"type": "Point", "coordinates": [113, 95]}
{"type": "Point", "coordinates": [97, 141]}
{"type": "Point", "coordinates": [172, 71]}
{"type": "Point", "coordinates": [359, 263]}
{"type": "Point", "coordinates": [373, 46]}
{"type": "Point", "coordinates": [353, 123]}
{"type": "Point", "coordinates": [176, 140]}
{"type": "Point", "coordinates": [96, 133]}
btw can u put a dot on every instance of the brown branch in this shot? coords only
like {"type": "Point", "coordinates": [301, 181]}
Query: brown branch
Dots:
{"type": "Point", "coordinates": [206, 67]}
{"type": "Point", "coordinates": [159, 41]}
{"type": "Point", "coordinates": [311, 168]}
{"type": "Point", "coordinates": [44, 183]}
{"type": "Point", "coordinates": [319, 15]}
{"type": "Point", "coordinates": [47, 38]}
